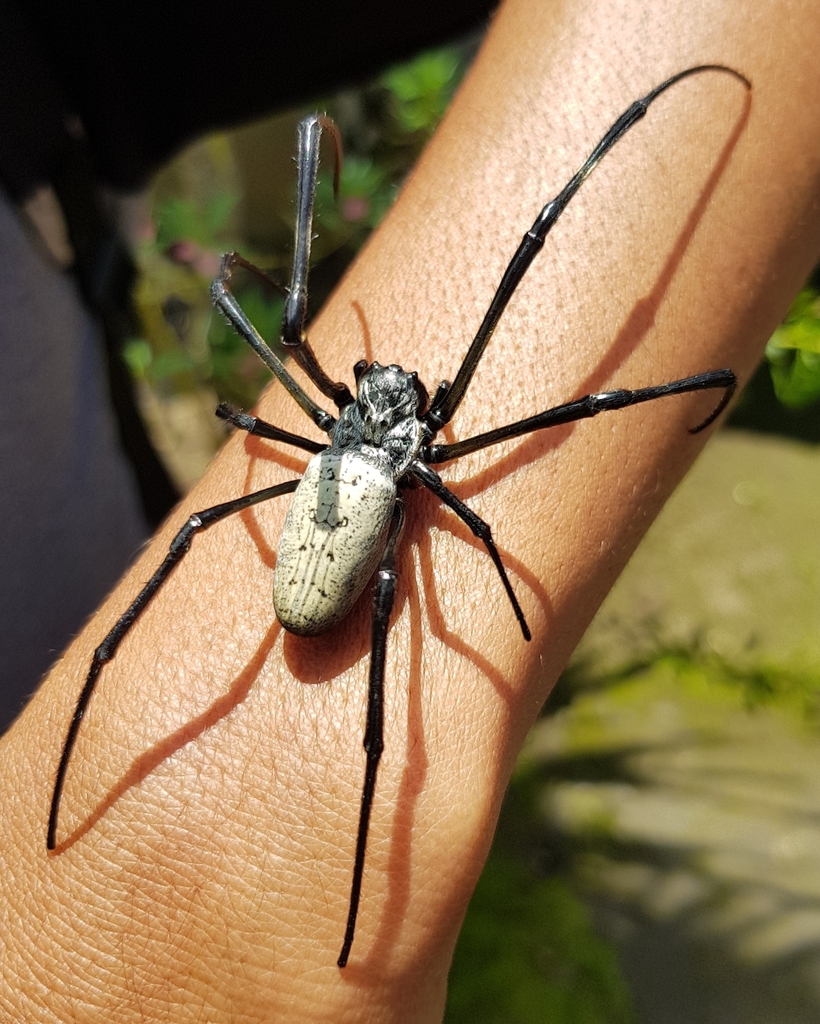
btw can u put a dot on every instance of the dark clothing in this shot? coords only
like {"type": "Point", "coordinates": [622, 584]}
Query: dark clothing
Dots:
{"type": "Point", "coordinates": [147, 77]}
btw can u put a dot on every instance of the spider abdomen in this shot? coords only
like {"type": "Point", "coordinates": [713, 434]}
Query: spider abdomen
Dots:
{"type": "Point", "coordinates": [333, 538]}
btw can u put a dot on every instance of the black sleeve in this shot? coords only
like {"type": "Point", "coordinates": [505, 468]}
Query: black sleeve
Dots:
{"type": "Point", "coordinates": [147, 77]}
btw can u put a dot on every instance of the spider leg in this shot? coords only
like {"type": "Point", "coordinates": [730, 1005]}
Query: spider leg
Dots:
{"type": "Point", "coordinates": [292, 332]}
{"type": "Point", "coordinates": [448, 397]}
{"type": "Point", "coordinates": [433, 481]}
{"type": "Point", "coordinates": [384, 594]}
{"type": "Point", "coordinates": [236, 260]}
{"type": "Point", "coordinates": [261, 428]}
{"type": "Point", "coordinates": [591, 405]}
{"type": "Point", "coordinates": [224, 300]}
{"type": "Point", "coordinates": [179, 547]}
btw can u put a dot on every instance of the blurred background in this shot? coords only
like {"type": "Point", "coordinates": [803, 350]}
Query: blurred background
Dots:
{"type": "Point", "coordinates": [658, 857]}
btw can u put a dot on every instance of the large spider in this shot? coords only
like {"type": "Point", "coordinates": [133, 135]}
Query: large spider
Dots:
{"type": "Point", "coordinates": [347, 513]}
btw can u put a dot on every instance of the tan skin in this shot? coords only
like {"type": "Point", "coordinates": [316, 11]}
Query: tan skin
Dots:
{"type": "Point", "coordinates": [206, 840]}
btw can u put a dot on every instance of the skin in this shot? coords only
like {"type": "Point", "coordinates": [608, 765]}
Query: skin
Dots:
{"type": "Point", "coordinates": [208, 823]}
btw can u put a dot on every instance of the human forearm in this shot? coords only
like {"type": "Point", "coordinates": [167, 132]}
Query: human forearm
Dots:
{"type": "Point", "coordinates": [209, 814]}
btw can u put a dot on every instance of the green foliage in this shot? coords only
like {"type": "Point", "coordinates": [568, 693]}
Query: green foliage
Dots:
{"type": "Point", "coordinates": [138, 357]}
{"type": "Point", "coordinates": [528, 952]}
{"type": "Point", "coordinates": [696, 669]}
{"type": "Point", "coordinates": [758, 685]}
{"type": "Point", "coordinates": [185, 345]}
{"type": "Point", "coordinates": [365, 196]}
{"type": "Point", "coordinates": [793, 352]}
{"type": "Point", "coordinates": [421, 89]}
{"type": "Point", "coordinates": [201, 221]}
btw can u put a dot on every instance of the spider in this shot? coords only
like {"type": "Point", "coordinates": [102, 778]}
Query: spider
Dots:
{"type": "Point", "coordinates": [347, 514]}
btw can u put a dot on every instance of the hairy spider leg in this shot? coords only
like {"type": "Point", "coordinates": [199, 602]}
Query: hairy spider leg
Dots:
{"type": "Point", "coordinates": [431, 480]}
{"type": "Point", "coordinates": [292, 330]}
{"type": "Point", "coordinates": [225, 301]}
{"type": "Point", "coordinates": [384, 593]}
{"type": "Point", "coordinates": [591, 405]}
{"type": "Point", "coordinates": [261, 428]}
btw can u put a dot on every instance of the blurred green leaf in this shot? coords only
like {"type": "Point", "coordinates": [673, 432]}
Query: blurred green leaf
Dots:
{"type": "Point", "coordinates": [528, 953]}
{"type": "Point", "coordinates": [185, 220]}
{"type": "Point", "coordinates": [176, 219]}
{"type": "Point", "coordinates": [422, 89]}
{"type": "Point", "coordinates": [364, 198]}
{"type": "Point", "coordinates": [793, 352]}
{"type": "Point", "coordinates": [170, 363]}
{"type": "Point", "coordinates": [217, 213]}
{"type": "Point", "coordinates": [138, 356]}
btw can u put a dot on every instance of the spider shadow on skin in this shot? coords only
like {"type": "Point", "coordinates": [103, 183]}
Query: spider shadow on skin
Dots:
{"type": "Point", "coordinates": [433, 513]}
{"type": "Point", "coordinates": [147, 762]}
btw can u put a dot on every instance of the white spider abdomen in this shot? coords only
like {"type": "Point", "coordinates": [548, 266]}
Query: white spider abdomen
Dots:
{"type": "Point", "coordinates": [333, 538]}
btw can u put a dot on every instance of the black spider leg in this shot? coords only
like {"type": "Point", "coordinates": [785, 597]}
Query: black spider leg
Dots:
{"type": "Point", "coordinates": [261, 428]}
{"type": "Point", "coordinates": [384, 594]}
{"type": "Point", "coordinates": [591, 405]}
{"type": "Point", "coordinates": [292, 332]}
{"type": "Point", "coordinates": [105, 652]}
{"type": "Point", "coordinates": [431, 479]}
{"type": "Point", "coordinates": [449, 396]}
{"type": "Point", "coordinates": [225, 301]}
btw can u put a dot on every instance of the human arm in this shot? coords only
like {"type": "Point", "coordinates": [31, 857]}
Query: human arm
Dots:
{"type": "Point", "coordinates": [210, 812]}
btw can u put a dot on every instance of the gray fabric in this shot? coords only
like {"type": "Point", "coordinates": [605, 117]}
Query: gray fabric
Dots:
{"type": "Point", "coordinates": [70, 519]}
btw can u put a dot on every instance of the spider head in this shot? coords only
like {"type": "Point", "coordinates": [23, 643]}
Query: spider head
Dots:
{"type": "Point", "coordinates": [387, 395]}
